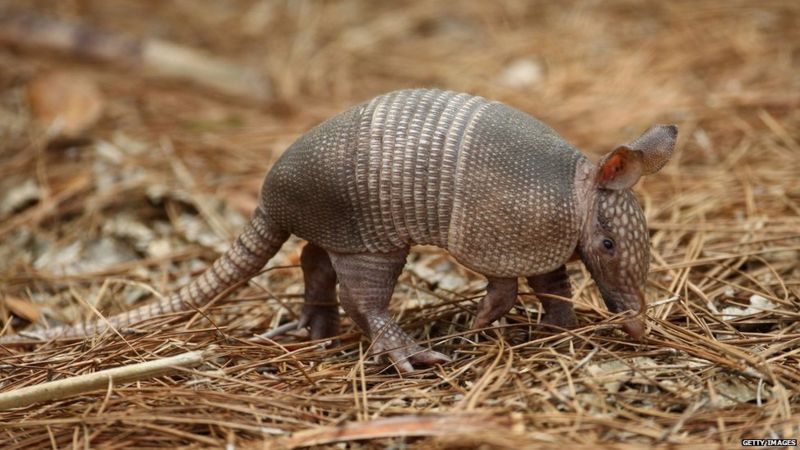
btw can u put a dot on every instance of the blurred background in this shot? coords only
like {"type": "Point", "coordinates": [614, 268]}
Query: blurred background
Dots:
{"type": "Point", "coordinates": [134, 135]}
{"type": "Point", "coordinates": [595, 70]}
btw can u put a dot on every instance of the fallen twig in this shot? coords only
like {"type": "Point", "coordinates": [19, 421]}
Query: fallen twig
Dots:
{"type": "Point", "coordinates": [280, 330]}
{"type": "Point", "coordinates": [56, 390]}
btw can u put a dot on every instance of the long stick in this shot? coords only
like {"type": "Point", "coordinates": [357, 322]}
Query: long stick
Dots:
{"type": "Point", "coordinates": [56, 390]}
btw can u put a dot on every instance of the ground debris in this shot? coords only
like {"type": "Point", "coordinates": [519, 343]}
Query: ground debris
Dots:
{"type": "Point", "coordinates": [156, 187]}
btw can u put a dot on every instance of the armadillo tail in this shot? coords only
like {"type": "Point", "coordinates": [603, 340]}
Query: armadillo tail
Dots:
{"type": "Point", "coordinates": [257, 244]}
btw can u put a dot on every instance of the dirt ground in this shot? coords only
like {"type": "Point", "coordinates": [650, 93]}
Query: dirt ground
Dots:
{"type": "Point", "coordinates": [123, 176]}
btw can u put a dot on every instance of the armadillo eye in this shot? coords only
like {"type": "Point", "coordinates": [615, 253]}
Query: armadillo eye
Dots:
{"type": "Point", "coordinates": [608, 244]}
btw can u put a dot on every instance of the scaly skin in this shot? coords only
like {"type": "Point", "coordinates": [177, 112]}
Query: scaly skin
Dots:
{"type": "Point", "coordinates": [501, 191]}
{"type": "Point", "coordinates": [366, 283]}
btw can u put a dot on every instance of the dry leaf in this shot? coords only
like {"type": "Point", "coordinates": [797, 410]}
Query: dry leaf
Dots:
{"type": "Point", "coordinates": [22, 308]}
{"type": "Point", "coordinates": [67, 103]}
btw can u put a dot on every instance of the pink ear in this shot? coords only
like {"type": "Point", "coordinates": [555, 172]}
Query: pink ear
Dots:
{"type": "Point", "coordinates": [620, 169]}
{"type": "Point", "coordinates": [647, 154]}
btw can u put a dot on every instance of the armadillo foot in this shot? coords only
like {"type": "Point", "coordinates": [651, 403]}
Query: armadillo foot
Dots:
{"type": "Point", "coordinates": [320, 310]}
{"type": "Point", "coordinates": [321, 320]}
{"type": "Point", "coordinates": [553, 290]}
{"type": "Point", "coordinates": [557, 321]}
{"type": "Point", "coordinates": [501, 293]}
{"type": "Point", "coordinates": [406, 357]}
{"type": "Point", "coordinates": [366, 283]}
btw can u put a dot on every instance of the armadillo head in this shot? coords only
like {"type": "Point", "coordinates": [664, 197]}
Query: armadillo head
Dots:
{"type": "Point", "coordinates": [614, 243]}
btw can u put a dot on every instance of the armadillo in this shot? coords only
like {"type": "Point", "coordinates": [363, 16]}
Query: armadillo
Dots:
{"type": "Point", "coordinates": [502, 192]}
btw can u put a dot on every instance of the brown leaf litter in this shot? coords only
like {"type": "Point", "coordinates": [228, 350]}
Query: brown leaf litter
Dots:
{"type": "Point", "coordinates": [167, 173]}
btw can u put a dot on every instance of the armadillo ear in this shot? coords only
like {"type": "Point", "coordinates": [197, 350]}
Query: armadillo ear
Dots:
{"type": "Point", "coordinates": [623, 167]}
{"type": "Point", "coordinates": [620, 169]}
{"type": "Point", "coordinates": [655, 145]}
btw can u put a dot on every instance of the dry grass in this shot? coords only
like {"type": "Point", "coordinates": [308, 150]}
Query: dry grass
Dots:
{"type": "Point", "coordinates": [172, 171]}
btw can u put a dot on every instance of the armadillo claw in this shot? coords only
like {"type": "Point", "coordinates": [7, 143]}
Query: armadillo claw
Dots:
{"type": "Point", "coordinates": [488, 315]}
{"type": "Point", "coordinates": [553, 323]}
{"type": "Point", "coordinates": [480, 322]}
{"type": "Point", "coordinates": [322, 321]}
{"type": "Point", "coordinates": [501, 294]}
{"type": "Point", "coordinates": [405, 358]}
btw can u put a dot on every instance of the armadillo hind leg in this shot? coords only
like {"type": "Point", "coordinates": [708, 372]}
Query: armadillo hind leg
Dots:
{"type": "Point", "coordinates": [321, 309]}
{"type": "Point", "coordinates": [501, 293]}
{"type": "Point", "coordinates": [366, 283]}
{"type": "Point", "coordinates": [558, 313]}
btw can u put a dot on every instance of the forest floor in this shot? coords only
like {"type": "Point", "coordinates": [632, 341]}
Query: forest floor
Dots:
{"type": "Point", "coordinates": [145, 179]}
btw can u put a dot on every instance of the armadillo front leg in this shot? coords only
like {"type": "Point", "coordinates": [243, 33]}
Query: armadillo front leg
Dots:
{"type": "Point", "coordinates": [366, 283]}
{"type": "Point", "coordinates": [501, 293]}
{"type": "Point", "coordinates": [320, 310]}
{"type": "Point", "coordinates": [551, 288]}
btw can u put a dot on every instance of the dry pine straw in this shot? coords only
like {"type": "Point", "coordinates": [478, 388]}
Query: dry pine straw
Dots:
{"type": "Point", "coordinates": [720, 363]}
